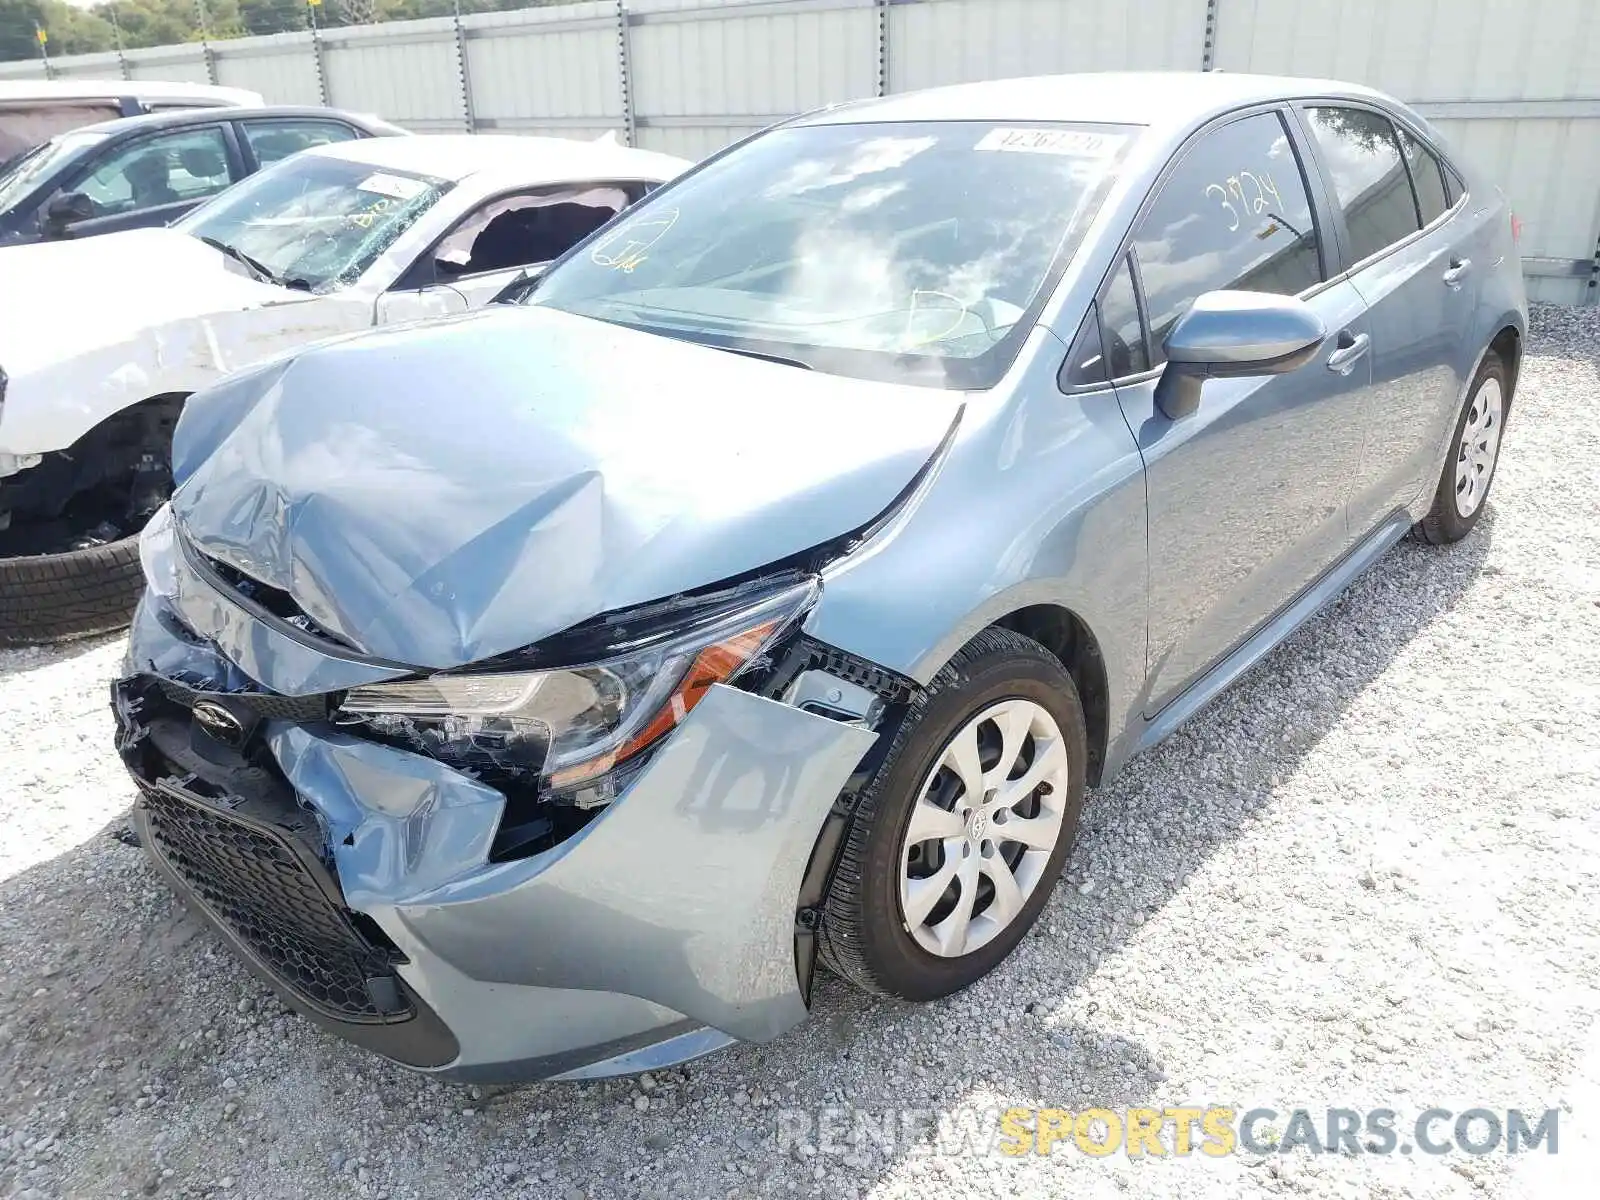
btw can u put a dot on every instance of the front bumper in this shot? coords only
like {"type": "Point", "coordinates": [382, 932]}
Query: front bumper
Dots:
{"type": "Point", "coordinates": [354, 877]}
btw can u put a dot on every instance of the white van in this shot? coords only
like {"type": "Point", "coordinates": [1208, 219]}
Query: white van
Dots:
{"type": "Point", "coordinates": [33, 111]}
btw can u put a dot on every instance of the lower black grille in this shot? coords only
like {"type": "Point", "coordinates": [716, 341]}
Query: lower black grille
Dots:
{"type": "Point", "coordinates": [259, 885]}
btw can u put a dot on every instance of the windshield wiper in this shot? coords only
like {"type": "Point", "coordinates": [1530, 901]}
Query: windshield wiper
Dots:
{"type": "Point", "coordinates": [258, 269]}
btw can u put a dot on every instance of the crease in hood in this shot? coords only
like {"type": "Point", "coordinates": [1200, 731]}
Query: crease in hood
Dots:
{"type": "Point", "coordinates": [445, 493]}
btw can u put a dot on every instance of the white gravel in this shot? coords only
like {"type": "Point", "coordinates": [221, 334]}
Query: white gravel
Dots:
{"type": "Point", "coordinates": [1366, 877]}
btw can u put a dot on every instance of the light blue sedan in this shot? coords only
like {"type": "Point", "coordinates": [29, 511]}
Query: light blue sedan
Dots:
{"type": "Point", "coordinates": [548, 692]}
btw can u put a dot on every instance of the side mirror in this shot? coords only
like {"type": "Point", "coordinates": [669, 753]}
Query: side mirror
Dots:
{"type": "Point", "coordinates": [523, 286]}
{"type": "Point", "coordinates": [1233, 334]}
{"type": "Point", "coordinates": [66, 210]}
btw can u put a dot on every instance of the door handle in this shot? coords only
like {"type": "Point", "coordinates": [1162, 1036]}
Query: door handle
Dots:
{"type": "Point", "coordinates": [1460, 268]}
{"type": "Point", "coordinates": [1351, 350]}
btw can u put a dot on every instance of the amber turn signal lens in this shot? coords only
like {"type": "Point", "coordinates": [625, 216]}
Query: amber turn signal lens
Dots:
{"type": "Point", "coordinates": [715, 664]}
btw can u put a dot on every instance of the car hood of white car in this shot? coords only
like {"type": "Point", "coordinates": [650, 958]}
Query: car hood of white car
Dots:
{"type": "Point", "coordinates": [60, 299]}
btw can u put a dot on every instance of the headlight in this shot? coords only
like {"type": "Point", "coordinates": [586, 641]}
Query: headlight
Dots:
{"type": "Point", "coordinates": [574, 724]}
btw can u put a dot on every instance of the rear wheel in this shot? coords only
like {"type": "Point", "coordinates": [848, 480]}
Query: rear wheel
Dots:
{"type": "Point", "coordinates": [1463, 489]}
{"type": "Point", "coordinates": [960, 838]}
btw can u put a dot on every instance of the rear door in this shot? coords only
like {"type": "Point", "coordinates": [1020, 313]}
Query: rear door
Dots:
{"type": "Point", "coordinates": [1247, 494]}
{"type": "Point", "coordinates": [1408, 246]}
{"type": "Point", "coordinates": [153, 180]}
{"type": "Point", "coordinates": [266, 140]}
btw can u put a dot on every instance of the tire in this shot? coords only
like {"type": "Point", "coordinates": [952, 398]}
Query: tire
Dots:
{"type": "Point", "coordinates": [865, 936]}
{"type": "Point", "coordinates": [56, 597]}
{"type": "Point", "coordinates": [1446, 522]}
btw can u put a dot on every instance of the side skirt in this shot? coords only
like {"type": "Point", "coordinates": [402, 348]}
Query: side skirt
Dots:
{"type": "Point", "coordinates": [1259, 644]}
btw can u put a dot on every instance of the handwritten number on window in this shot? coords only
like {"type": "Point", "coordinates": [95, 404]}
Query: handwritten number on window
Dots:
{"type": "Point", "coordinates": [1222, 195]}
{"type": "Point", "coordinates": [1255, 192]}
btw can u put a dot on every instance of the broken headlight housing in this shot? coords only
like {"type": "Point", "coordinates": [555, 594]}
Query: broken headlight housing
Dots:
{"type": "Point", "coordinates": [571, 726]}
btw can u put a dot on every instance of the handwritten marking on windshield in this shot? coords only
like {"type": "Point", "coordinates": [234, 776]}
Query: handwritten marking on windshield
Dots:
{"type": "Point", "coordinates": [629, 246]}
{"type": "Point", "coordinates": [913, 312]}
{"type": "Point", "coordinates": [364, 218]}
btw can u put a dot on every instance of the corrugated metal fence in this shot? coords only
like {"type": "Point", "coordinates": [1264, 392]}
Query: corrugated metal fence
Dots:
{"type": "Point", "coordinates": [1515, 84]}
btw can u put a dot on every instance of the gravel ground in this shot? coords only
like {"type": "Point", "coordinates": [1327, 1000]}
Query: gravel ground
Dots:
{"type": "Point", "coordinates": [1362, 878]}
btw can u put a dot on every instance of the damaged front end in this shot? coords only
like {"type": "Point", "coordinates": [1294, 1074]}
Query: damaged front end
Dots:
{"type": "Point", "coordinates": [600, 854]}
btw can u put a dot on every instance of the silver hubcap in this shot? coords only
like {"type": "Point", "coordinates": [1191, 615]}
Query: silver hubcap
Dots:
{"type": "Point", "coordinates": [1480, 443]}
{"type": "Point", "coordinates": [987, 818]}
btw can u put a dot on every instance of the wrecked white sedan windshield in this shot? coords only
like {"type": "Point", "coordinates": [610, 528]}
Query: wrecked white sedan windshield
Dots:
{"type": "Point", "coordinates": [907, 251]}
{"type": "Point", "coordinates": [314, 222]}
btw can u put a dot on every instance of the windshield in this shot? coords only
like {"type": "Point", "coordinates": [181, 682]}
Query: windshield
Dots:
{"type": "Point", "coordinates": [915, 252]}
{"type": "Point", "coordinates": [315, 222]}
{"type": "Point", "coordinates": [19, 177]}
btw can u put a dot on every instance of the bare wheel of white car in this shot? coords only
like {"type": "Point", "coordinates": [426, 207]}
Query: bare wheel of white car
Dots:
{"type": "Point", "coordinates": [1463, 489]}
{"type": "Point", "coordinates": [959, 839]}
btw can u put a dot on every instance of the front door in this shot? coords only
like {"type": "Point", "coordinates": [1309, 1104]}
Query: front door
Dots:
{"type": "Point", "coordinates": [508, 237]}
{"type": "Point", "coordinates": [1247, 495]}
{"type": "Point", "coordinates": [152, 181]}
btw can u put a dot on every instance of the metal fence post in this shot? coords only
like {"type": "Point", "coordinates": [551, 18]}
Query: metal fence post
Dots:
{"type": "Point", "coordinates": [44, 52]}
{"type": "Point", "coordinates": [316, 50]}
{"type": "Point", "coordinates": [116, 28]}
{"type": "Point", "coordinates": [625, 73]}
{"type": "Point", "coordinates": [465, 73]}
{"type": "Point", "coordinates": [206, 54]}
{"type": "Point", "coordinates": [883, 46]}
{"type": "Point", "coordinates": [1208, 55]}
{"type": "Point", "coordinates": [1591, 294]}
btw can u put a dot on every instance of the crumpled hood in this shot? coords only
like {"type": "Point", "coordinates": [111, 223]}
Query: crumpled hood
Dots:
{"type": "Point", "coordinates": [449, 492]}
{"type": "Point", "coordinates": [58, 299]}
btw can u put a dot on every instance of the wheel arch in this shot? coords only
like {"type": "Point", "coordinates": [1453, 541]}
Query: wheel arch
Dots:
{"type": "Point", "coordinates": [1507, 344]}
{"type": "Point", "coordinates": [1069, 638]}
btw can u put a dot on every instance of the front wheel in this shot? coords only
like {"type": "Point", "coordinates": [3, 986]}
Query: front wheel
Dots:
{"type": "Point", "coordinates": [1463, 487]}
{"type": "Point", "coordinates": [961, 836]}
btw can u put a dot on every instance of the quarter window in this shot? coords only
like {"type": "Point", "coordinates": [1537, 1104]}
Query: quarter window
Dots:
{"type": "Point", "coordinates": [1086, 363]}
{"type": "Point", "coordinates": [1369, 180]}
{"type": "Point", "coordinates": [1234, 215]}
{"type": "Point", "coordinates": [1427, 176]}
{"type": "Point", "coordinates": [1124, 332]}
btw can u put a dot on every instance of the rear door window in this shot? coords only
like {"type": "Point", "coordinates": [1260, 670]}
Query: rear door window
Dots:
{"type": "Point", "coordinates": [1233, 215]}
{"type": "Point", "coordinates": [270, 141]}
{"type": "Point", "coordinates": [1362, 158]}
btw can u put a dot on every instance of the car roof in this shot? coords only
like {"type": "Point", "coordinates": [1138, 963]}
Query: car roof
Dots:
{"type": "Point", "coordinates": [202, 116]}
{"type": "Point", "coordinates": [1151, 98]}
{"type": "Point", "coordinates": [106, 89]}
{"type": "Point", "coordinates": [459, 156]}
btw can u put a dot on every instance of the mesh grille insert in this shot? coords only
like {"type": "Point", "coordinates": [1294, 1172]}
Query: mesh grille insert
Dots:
{"type": "Point", "coordinates": [261, 888]}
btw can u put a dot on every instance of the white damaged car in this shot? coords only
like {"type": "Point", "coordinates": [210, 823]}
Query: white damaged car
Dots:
{"type": "Point", "coordinates": [101, 341]}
